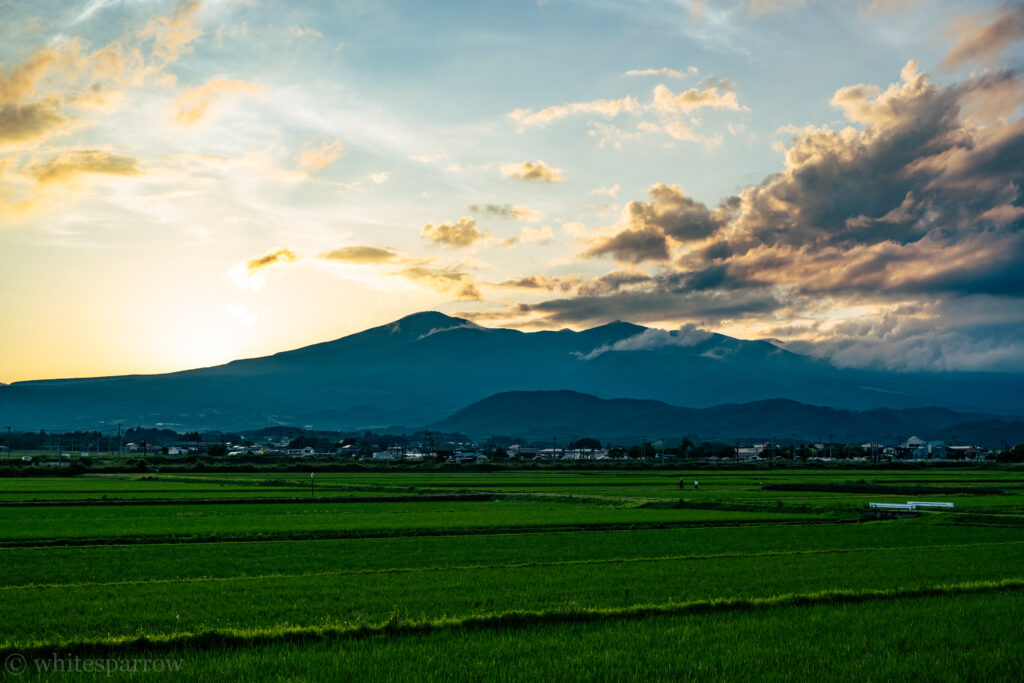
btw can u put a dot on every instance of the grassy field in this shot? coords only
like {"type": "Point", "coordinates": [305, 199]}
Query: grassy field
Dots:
{"type": "Point", "coordinates": [514, 575]}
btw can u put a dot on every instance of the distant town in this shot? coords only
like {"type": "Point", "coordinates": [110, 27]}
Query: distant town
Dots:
{"type": "Point", "coordinates": [141, 446]}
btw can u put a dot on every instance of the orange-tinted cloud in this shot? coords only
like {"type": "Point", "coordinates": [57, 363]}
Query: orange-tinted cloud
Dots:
{"type": "Point", "coordinates": [538, 171]}
{"type": "Point", "coordinates": [35, 121]}
{"type": "Point", "coordinates": [609, 108]}
{"type": "Point", "coordinates": [523, 213]}
{"type": "Point", "coordinates": [713, 97]}
{"type": "Point", "coordinates": [463, 233]}
{"type": "Point", "coordinates": [193, 105]}
{"type": "Point", "coordinates": [447, 279]}
{"type": "Point", "coordinates": [321, 157]}
{"type": "Point", "coordinates": [68, 165]}
{"type": "Point", "coordinates": [652, 229]}
{"type": "Point", "coordinates": [983, 37]}
{"type": "Point", "coordinates": [172, 35]}
{"type": "Point", "coordinates": [279, 256]}
{"type": "Point", "coordinates": [545, 282]}
{"type": "Point", "coordinates": [360, 255]}
{"type": "Point", "coordinates": [668, 73]}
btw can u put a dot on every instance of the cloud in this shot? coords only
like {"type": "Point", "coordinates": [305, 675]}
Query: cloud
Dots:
{"type": "Point", "coordinates": [45, 94]}
{"type": "Point", "coordinates": [171, 36]}
{"type": "Point", "coordinates": [633, 245]}
{"type": "Point", "coordinates": [321, 157]}
{"type": "Point", "coordinates": [381, 177]}
{"type": "Point", "coordinates": [20, 82]}
{"type": "Point", "coordinates": [193, 105]}
{"type": "Point", "coordinates": [711, 93]}
{"type": "Point", "coordinates": [665, 106]}
{"type": "Point", "coordinates": [66, 87]}
{"type": "Point", "coordinates": [447, 279]}
{"type": "Point", "coordinates": [757, 8]}
{"type": "Point", "coordinates": [437, 330]}
{"type": "Point", "coordinates": [682, 131]}
{"type": "Point", "coordinates": [279, 256]}
{"type": "Point", "coordinates": [607, 108]}
{"type": "Point", "coordinates": [983, 37]}
{"type": "Point", "coordinates": [66, 166]}
{"type": "Point", "coordinates": [612, 191]}
{"type": "Point", "coordinates": [649, 339]}
{"type": "Point", "coordinates": [462, 233]}
{"type": "Point", "coordinates": [522, 213]}
{"type": "Point", "coordinates": [360, 255]}
{"type": "Point", "coordinates": [55, 89]}
{"type": "Point", "coordinates": [301, 32]}
{"type": "Point", "coordinates": [537, 171]}
{"type": "Point", "coordinates": [546, 282]}
{"type": "Point", "coordinates": [427, 158]}
{"type": "Point", "coordinates": [542, 235]}
{"type": "Point", "coordinates": [668, 73]}
{"type": "Point", "coordinates": [901, 217]}
{"type": "Point", "coordinates": [653, 228]}
{"type": "Point", "coordinates": [668, 102]}
{"type": "Point", "coordinates": [35, 121]}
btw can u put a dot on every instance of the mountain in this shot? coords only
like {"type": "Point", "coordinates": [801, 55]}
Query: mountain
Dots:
{"type": "Point", "coordinates": [541, 415]}
{"type": "Point", "coordinates": [422, 368]}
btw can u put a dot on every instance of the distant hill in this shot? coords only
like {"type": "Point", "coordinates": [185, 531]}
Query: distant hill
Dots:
{"type": "Point", "coordinates": [541, 415]}
{"type": "Point", "coordinates": [424, 367]}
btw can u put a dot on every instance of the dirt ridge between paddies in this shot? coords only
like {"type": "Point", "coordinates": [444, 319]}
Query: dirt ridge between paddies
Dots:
{"type": "Point", "coordinates": [397, 625]}
{"type": "Point", "coordinates": [883, 489]}
{"type": "Point", "coordinates": [89, 502]}
{"type": "Point", "coordinates": [169, 539]}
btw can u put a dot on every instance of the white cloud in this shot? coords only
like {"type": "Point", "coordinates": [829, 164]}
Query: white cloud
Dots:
{"type": "Point", "coordinates": [687, 335]}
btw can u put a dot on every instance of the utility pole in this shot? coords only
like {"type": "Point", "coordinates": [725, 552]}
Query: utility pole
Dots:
{"type": "Point", "coordinates": [312, 475]}
{"type": "Point", "coordinates": [8, 447]}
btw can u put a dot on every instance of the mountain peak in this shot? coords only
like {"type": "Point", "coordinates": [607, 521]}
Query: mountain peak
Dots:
{"type": "Point", "coordinates": [426, 323]}
{"type": "Point", "coordinates": [429, 316]}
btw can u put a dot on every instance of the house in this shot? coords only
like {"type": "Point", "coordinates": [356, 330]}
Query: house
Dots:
{"type": "Point", "coordinates": [919, 449]}
{"type": "Point", "coordinates": [519, 451]}
{"type": "Point", "coordinates": [966, 452]}
{"type": "Point", "coordinates": [389, 454]}
{"type": "Point", "coordinates": [754, 451]}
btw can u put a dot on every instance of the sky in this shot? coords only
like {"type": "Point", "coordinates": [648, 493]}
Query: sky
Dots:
{"type": "Point", "coordinates": [183, 184]}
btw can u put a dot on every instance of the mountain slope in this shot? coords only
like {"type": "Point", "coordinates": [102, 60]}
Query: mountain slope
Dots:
{"type": "Point", "coordinates": [425, 366]}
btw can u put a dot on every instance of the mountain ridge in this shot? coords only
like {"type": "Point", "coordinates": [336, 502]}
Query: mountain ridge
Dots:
{"type": "Point", "coordinates": [541, 415]}
{"type": "Point", "coordinates": [421, 368]}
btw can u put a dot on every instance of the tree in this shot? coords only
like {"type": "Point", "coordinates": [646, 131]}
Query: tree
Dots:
{"type": "Point", "coordinates": [1015, 454]}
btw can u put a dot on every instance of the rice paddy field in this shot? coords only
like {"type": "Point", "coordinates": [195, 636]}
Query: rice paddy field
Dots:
{"type": "Point", "coordinates": [513, 575]}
